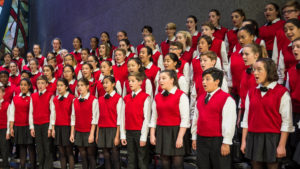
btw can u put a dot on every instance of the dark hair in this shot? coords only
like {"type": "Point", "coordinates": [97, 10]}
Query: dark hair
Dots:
{"type": "Point", "coordinates": [121, 50]}
{"type": "Point", "coordinates": [96, 60]}
{"type": "Point", "coordinates": [27, 80]}
{"type": "Point", "coordinates": [12, 62]}
{"type": "Point", "coordinates": [139, 62]}
{"type": "Point", "coordinates": [28, 72]}
{"type": "Point", "coordinates": [248, 28]}
{"type": "Point", "coordinates": [84, 81]}
{"type": "Point", "coordinates": [42, 77]}
{"type": "Point", "coordinates": [293, 21]}
{"type": "Point", "coordinates": [207, 39]}
{"type": "Point", "coordinates": [292, 3]}
{"type": "Point", "coordinates": [215, 11]}
{"type": "Point", "coordinates": [177, 44]}
{"type": "Point", "coordinates": [58, 41]}
{"type": "Point", "coordinates": [107, 34]}
{"type": "Point", "coordinates": [276, 8]}
{"type": "Point", "coordinates": [35, 60]}
{"type": "Point", "coordinates": [149, 52]}
{"type": "Point", "coordinates": [297, 39]}
{"type": "Point", "coordinates": [51, 68]}
{"type": "Point", "coordinates": [254, 24]}
{"type": "Point", "coordinates": [194, 18]}
{"type": "Point", "coordinates": [138, 75]}
{"type": "Point", "coordinates": [4, 72]}
{"type": "Point", "coordinates": [127, 42]}
{"type": "Point", "coordinates": [86, 49]}
{"type": "Point", "coordinates": [6, 54]}
{"type": "Point", "coordinates": [175, 58]}
{"type": "Point", "coordinates": [2, 89]}
{"type": "Point", "coordinates": [111, 79]}
{"type": "Point", "coordinates": [52, 57]}
{"type": "Point", "coordinates": [209, 24]}
{"type": "Point", "coordinates": [270, 68]}
{"type": "Point", "coordinates": [109, 64]}
{"type": "Point", "coordinates": [92, 74]}
{"type": "Point", "coordinates": [124, 32]}
{"type": "Point", "coordinates": [72, 69]}
{"type": "Point", "coordinates": [79, 39]}
{"type": "Point", "coordinates": [65, 82]}
{"type": "Point", "coordinates": [173, 75]}
{"type": "Point", "coordinates": [97, 40]}
{"type": "Point", "coordinates": [240, 12]}
{"type": "Point", "coordinates": [27, 54]}
{"type": "Point", "coordinates": [149, 28]}
{"type": "Point", "coordinates": [215, 73]}
{"type": "Point", "coordinates": [107, 49]}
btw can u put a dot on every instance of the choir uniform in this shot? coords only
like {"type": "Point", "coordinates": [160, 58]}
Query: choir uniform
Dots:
{"type": "Point", "coordinates": [5, 67]}
{"type": "Point", "coordinates": [9, 92]}
{"type": "Point", "coordinates": [58, 57]}
{"type": "Point", "coordinates": [267, 113]}
{"type": "Point", "coordinates": [231, 40]}
{"type": "Point", "coordinates": [4, 144]}
{"type": "Point", "coordinates": [182, 84]}
{"type": "Point", "coordinates": [187, 55]}
{"type": "Point", "coordinates": [42, 60]}
{"type": "Point", "coordinates": [165, 45]}
{"type": "Point", "coordinates": [140, 46]}
{"type": "Point", "coordinates": [77, 55]}
{"type": "Point", "coordinates": [280, 41]}
{"type": "Point", "coordinates": [129, 55]}
{"type": "Point", "coordinates": [52, 86]}
{"type": "Point", "coordinates": [20, 62]}
{"type": "Point", "coordinates": [247, 82]}
{"type": "Point", "coordinates": [213, 125]}
{"type": "Point", "coordinates": [34, 77]}
{"type": "Point", "coordinates": [15, 79]}
{"type": "Point", "coordinates": [158, 59]}
{"type": "Point", "coordinates": [195, 38]}
{"type": "Point", "coordinates": [58, 71]}
{"type": "Point", "coordinates": [218, 46]}
{"type": "Point", "coordinates": [257, 40]}
{"type": "Point", "coordinates": [220, 32]}
{"type": "Point", "coordinates": [121, 71]}
{"type": "Point", "coordinates": [134, 128]}
{"type": "Point", "coordinates": [72, 85]}
{"type": "Point", "coordinates": [152, 73]}
{"type": "Point", "coordinates": [100, 90]}
{"type": "Point", "coordinates": [184, 69]}
{"type": "Point", "coordinates": [146, 87]}
{"type": "Point", "coordinates": [39, 120]}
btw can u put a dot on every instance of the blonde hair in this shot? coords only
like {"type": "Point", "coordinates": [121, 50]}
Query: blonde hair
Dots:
{"type": "Point", "coordinates": [187, 36]}
{"type": "Point", "coordinates": [210, 54]}
{"type": "Point", "coordinates": [171, 25]}
{"type": "Point", "coordinates": [256, 48]}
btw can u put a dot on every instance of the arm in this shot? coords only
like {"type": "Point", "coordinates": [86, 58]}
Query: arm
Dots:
{"type": "Point", "coordinates": [186, 72]}
{"type": "Point", "coordinates": [122, 126]}
{"type": "Point", "coordinates": [194, 128]}
{"type": "Point", "coordinates": [145, 126]}
{"type": "Point", "coordinates": [281, 68]}
{"type": "Point", "coordinates": [228, 120]}
{"type": "Point", "coordinates": [152, 124]}
{"type": "Point", "coordinates": [224, 57]}
{"type": "Point", "coordinates": [149, 90]}
{"type": "Point", "coordinates": [185, 119]}
{"type": "Point", "coordinates": [275, 51]}
{"type": "Point", "coordinates": [52, 117]}
{"type": "Point", "coordinates": [183, 85]}
{"type": "Point", "coordinates": [119, 88]}
{"type": "Point", "coordinates": [72, 134]}
{"type": "Point", "coordinates": [160, 62]}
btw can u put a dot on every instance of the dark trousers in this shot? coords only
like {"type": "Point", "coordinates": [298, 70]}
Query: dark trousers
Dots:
{"type": "Point", "coordinates": [209, 154]}
{"type": "Point", "coordinates": [43, 146]}
{"type": "Point", "coordinates": [4, 148]}
{"type": "Point", "coordinates": [138, 157]}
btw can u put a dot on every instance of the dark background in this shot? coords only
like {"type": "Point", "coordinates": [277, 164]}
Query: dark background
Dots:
{"type": "Point", "coordinates": [86, 18]}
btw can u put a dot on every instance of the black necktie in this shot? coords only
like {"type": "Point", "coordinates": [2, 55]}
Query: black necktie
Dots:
{"type": "Point", "coordinates": [263, 89]}
{"type": "Point", "coordinates": [81, 100]}
{"type": "Point", "coordinates": [40, 93]}
{"type": "Point", "coordinates": [168, 41]}
{"type": "Point", "coordinates": [249, 70]}
{"type": "Point", "coordinates": [133, 96]}
{"type": "Point", "coordinates": [55, 53]}
{"type": "Point", "coordinates": [76, 52]}
{"type": "Point", "coordinates": [236, 31]}
{"type": "Point", "coordinates": [107, 96]}
{"type": "Point", "coordinates": [13, 76]}
{"type": "Point", "coordinates": [24, 95]}
{"type": "Point", "coordinates": [298, 66]}
{"type": "Point", "coordinates": [119, 65]}
{"type": "Point", "coordinates": [207, 98]}
{"type": "Point", "coordinates": [165, 93]}
{"type": "Point", "coordinates": [61, 98]}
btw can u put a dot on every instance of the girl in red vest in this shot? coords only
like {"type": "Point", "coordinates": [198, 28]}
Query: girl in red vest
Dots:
{"type": "Point", "coordinates": [29, 56]}
{"type": "Point", "coordinates": [120, 68]}
{"type": "Point", "coordinates": [185, 39]}
{"type": "Point", "coordinates": [218, 46]}
{"type": "Point", "coordinates": [17, 58]}
{"type": "Point", "coordinates": [9, 87]}
{"type": "Point", "coordinates": [169, 121]}
{"type": "Point", "coordinates": [157, 57]}
{"type": "Point", "coordinates": [93, 60]}
{"type": "Point", "coordinates": [105, 38]}
{"type": "Point", "coordinates": [106, 69]}
{"type": "Point", "coordinates": [170, 30]}
{"type": "Point", "coordinates": [237, 17]}
{"type": "Point", "coordinates": [37, 54]}
{"type": "Point", "coordinates": [14, 75]}
{"type": "Point", "coordinates": [87, 73]}
{"type": "Point", "coordinates": [49, 73]}
{"type": "Point", "coordinates": [293, 79]}
{"type": "Point", "coordinates": [214, 17]}
{"type": "Point", "coordinates": [56, 44]}
{"type": "Point", "coordinates": [61, 109]}
{"type": "Point", "coordinates": [108, 129]}
{"type": "Point", "coordinates": [19, 123]}
{"type": "Point", "coordinates": [84, 57]}
{"type": "Point", "coordinates": [4, 130]}
{"type": "Point", "coordinates": [191, 25]}
{"type": "Point", "coordinates": [7, 58]}
{"type": "Point", "coordinates": [267, 119]}
{"type": "Point", "coordinates": [257, 39]}
{"type": "Point", "coordinates": [135, 66]}
{"type": "Point", "coordinates": [123, 35]}
{"type": "Point", "coordinates": [24, 74]}
{"type": "Point", "coordinates": [94, 41]}
{"type": "Point", "coordinates": [77, 44]}
{"type": "Point", "coordinates": [286, 58]}
{"type": "Point", "coordinates": [70, 76]}
{"type": "Point", "coordinates": [104, 52]}
{"type": "Point", "coordinates": [39, 122]}
{"type": "Point", "coordinates": [213, 123]}
{"type": "Point", "coordinates": [125, 44]}
{"type": "Point", "coordinates": [151, 71]}
{"type": "Point", "coordinates": [84, 118]}
{"type": "Point", "coordinates": [134, 123]}
{"type": "Point", "coordinates": [33, 64]}
{"type": "Point", "coordinates": [58, 68]}
{"type": "Point", "coordinates": [146, 31]}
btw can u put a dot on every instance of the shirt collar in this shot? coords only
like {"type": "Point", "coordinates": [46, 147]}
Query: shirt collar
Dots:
{"type": "Point", "coordinates": [43, 91]}
{"type": "Point", "coordinates": [111, 94]}
{"type": "Point", "coordinates": [16, 58]}
{"type": "Point", "coordinates": [291, 44]}
{"type": "Point", "coordinates": [235, 28]}
{"type": "Point", "coordinates": [270, 86]}
{"type": "Point", "coordinates": [218, 27]}
{"type": "Point", "coordinates": [154, 51]}
{"type": "Point", "coordinates": [120, 64]}
{"type": "Point", "coordinates": [65, 95]}
{"type": "Point", "coordinates": [136, 93]}
{"type": "Point", "coordinates": [149, 65]}
{"type": "Point", "coordinates": [188, 48]}
{"type": "Point", "coordinates": [2, 100]}
{"type": "Point", "coordinates": [172, 91]}
{"type": "Point", "coordinates": [39, 56]}
{"type": "Point", "coordinates": [127, 54]}
{"type": "Point", "coordinates": [241, 50]}
{"type": "Point", "coordinates": [27, 94]}
{"type": "Point", "coordinates": [275, 20]}
{"type": "Point", "coordinates": [212, 93]}
{"type": "Point", "coordinates": [57, 52]}
{"type": "Point", "coordinates": [195, 33]}
{"type": "Point", "coordinates": [86, 96]}
{"type": "Point", "coordinates": [97, 69]}
{"type": "Point", "coordinates": [17, 74]}
{"type": "Point", "coordinates": [35, 73]}
{"type": "Point", "coordinates": [91, 79]}
{"type": "Point", "coordinates": [53, 80]}
{"type": "Point", "coordinates": [172, 40]}
{"type": "Point", "coordinates": [72, 81]}
{"type": "Point", "coordinates": [78, 51]}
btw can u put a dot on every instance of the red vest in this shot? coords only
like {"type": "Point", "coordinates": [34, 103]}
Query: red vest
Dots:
{"type": "Point", "coordinates": [216, 47]}
{"type": "Point", "coordinates": [237, 66]}
{"type": "Point", "coordinates": [108, 109]}
{"type": "Point", "coordinates": [34, 78]}
{"type": "Point", "coordinates": [100, 89]}
{"type": "Point", "coordinates": [96, 75]}
{"type": "Point", "coordinates": [134, 111]}
{"type": "Point", "coordinates": [9, 93]}
{"type": "Point", "coordinates": [139, 47]}
{"type": "Point", "coordinates": [73, 87]}
{"type": "Point", "coordinates": [232, 40]}
{"type": "Point", "coordinates": [77, 56]}
{"type": "Point", "coordinates": [19, 62]}
{"type": "Point", "coordinates": [188, 55]}
{"type": "Point", "coordinates": [164, 46]}
{"type": "Point", "coordinates": [294, 82]}
{"type": "Point", "coordinates": [264, 116]}
{"type": "Point", "coordinates": [183, 62]}
{"type": "Point", "coordinates": [15, 80]}
{"type": "Point", "coordinates": [84, 114]}
{"type": "Point", "coordinates": [128, 90]}
{"type": "Point", "coordinates": [21, 110]}
{"type": "Point", "coordinates": [131, 55]}
{"type": "Point", "coordinates": [247, 82]}
{"type": "Point", "coordinates": [282, 40]}
{"type": "Point", "coordinates": [220, 33]}
{"type": "Point", "coordinates": [210, 114]}
{"type": "Point", "coordinates": [195, 41]}
{"type": "Point", "coordinates": [52, 87]}
{"type": "Point", "coordinates": [197, 69]}
{"type": "Point", "coordinates": [289, 58]}
{"type": "Point", "coordinates": [58, 73]}
{"type": "Point", "coordinates": [41, 61]}
{"type": "Point", "coordinates": [63, 110]}
{"type": "Point", "coordinates": [121, 73]}
{"type": "Point", "coordinates": [3, 67]}
{"type": "Point", "coordinates": [167, 107]}
{"type": "Point", "coordinates": [155, 57]}
{"type": "Point", "coordinates": [151, 74]}
{"type": "Point", "coordinates": [199, 87]}
{"type": "Point", "coordinates": [41, 107]}
{"type": "Point", "coordinates": [267, 33]}
{"type": "Point", "coordinates": [3, 114]}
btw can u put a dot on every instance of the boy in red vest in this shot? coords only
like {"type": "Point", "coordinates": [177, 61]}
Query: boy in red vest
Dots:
{"type": "Point", "coordinates": [4, 134]}
{"type": "Point", "coordinates": [213, 124]}
{"type": "Point", "coordinates": [39, 118]}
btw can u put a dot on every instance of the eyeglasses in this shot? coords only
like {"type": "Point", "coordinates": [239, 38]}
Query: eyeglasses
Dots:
{"type": "Point", "coordinates": [288, 11]}
{"type": "Point", "coordinates": [172, 49]}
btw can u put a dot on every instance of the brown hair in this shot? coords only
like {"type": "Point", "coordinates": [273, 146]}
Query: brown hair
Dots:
{"type": "Point", "coordinates": [139, 76]}
{"type": "Point", "coordinates": [270, 68]}
{"type": "Point", "coordinates": [42, 77]}
{"type": "Point", "coordinates": [121, 50]}
{"type": "Point", "coordinates": [210, 54]}
{"type": "Point", "coordinates": [171, 25]}
{"type": "Point", "coordinates": [173, 75]}
{"type": "Point", "coordinates": [177, 44]}
{"type": "Point", "coordinates": [292, 3]}
{"type": "Point", "coordinates": [107, 48]}
{"type": "Point", "coordinates": [209, 24]}
{"type": "Point", "coordinates": [187, 36]}
{"type": "Point", "coordinates": [256, 48]}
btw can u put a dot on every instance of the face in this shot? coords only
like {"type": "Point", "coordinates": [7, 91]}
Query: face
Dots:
{"type": "Point", "coordinates": [133, 66]}
{"type": "Point", "coordinates": [296, 50]}
{"type": "Point", "coordinates": [108, 85]}
{"type": "Point", "coordinates": [52, 63]}
{"type": "Point", "coordinates": [76, 43]}
{"type": "Point", "coordinates": [119, 57]}
{"type": "Point", "coordinates": [33, 66]}
{"type": "Point", "coordinates": [24, 75]}
{"type": "Point", "coordinates": [149, 42]}
{"type": "Point", "coordinates": [180, 38]}
{"type": "Point", "coordinates": [203, 45]}
{"type": "Point", "coordinates": [270, 13]}
{"type": "Point", "coordinates": [169, 64]}
{"type": "Point", "coordinates": [207, 31]}
{"type": "Point", "coordinates": [176, 50]}
{"type": "Point", "coordinates": [7, 59]}
{"type": "Point", "coordinates": [104, 38]}
{"type": "Point", "coordinates": [61, 88]}
{"type": "Point", "coordinates": [86, 71]}
{"type": "Point", "coordinates": [91, 61]}
{"type": "Point", "coordinates": [68, 74]}
{"type": "Point", "coordinates": [120, 36]}
{"type": "Point", "coordinates": [209, 84]}
{"type": "Point", "coordinates": [4, 79]}
{"type": "Point", "coordinates": [145, 58]}
{"type": "Point", "coordinates": [291, 31]}
{"type": "Point", "coordinates": [249, 56]}
{"type": "Point", "coordinates": [93, 43]}
{"type": "Point", "coordinates": [237, 19]}
{"type": "Point", "coordinates": [146, 32]}
{"type": "Point", "coordinates": [82, 88]}
{"type": "Point", "coordinates": [170, 32]}
{"type": "Point", "coordinates": [206, 62]}
{"type": "Point", "coordinates": [190, 24]}
{"type": "Point", "coordinates": [123, 45]}
{"type": "Point", "coordinates": [36, 50]}
{"type": "Point", "coordinates": [13, 68]}
{"type": "Point", "coordinates": [56, 45]}
{"type": "Point", "coordinates": [102, 50]}
{"type": "Point", "coordinates": [245, 38]}
{"type": "Point", "coordinates": [29, 56]}
{"type": "Point", "coordinates": [290, 13]}
{"type": "Point", "coordinates": [16, 52]}
{"type": "Point", "coordinates": [213, 18]}
{"type": "Point", "coordinates": [84, 55]}
{"type": "Point", "coordinates": [47, 72]}
{"type": "Point", "coordinates": [63, 53]}
{"type": "Point", "coordinates": [41, 85]}
{"type": "Point", "coordinates": [105, 69]}
{"type": "Point", "coordinates": [134, 84]}
{"type": "Point", "coordinates": [24, 86]}
{"type": "Point", "coordinates": [260, 73]}
{"type": "Point", "coordinates": [165, 81]}
{"type": "Point", "coordinates": [68, 60]}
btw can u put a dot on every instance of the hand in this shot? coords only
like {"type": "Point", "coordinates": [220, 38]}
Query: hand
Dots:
{"type": "Point", "coordinates": [281, 152]}
{"type": "Point", "coordinates": [32, 132]}
{"type": "Point", "coordinates": [12, 133]}
{"type": "Point", "coordinates": [239, 118]}
{"type": "Point", "coordinates": [53, 133]}
{"type": "Point", "coordinates": [124, 142]}
{"type": "Point", "coordinates": [179, 142]}
{"type": "Point", "coordinates": [225, 149]}
{"type": "Point", "coordinates": [243, 147]}
{"type": "Point", "coordinates": [194, 144]}
{"type": "Point", "coordinates": [153, 140]}
{"type": "Point", "coordinates": [7, 136]}
{"type": "Point", "coordinates": [117, 141]}
{"type": "Point", "coordinates": [91, 139]}
{"type": "Point", "coordinates": [49, 133]}
{"type": "Point", "coordinates": [72, 138]}
{"type": "Point", "coordinates": [142, 143]}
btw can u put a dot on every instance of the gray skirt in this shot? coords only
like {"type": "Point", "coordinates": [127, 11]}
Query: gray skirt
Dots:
{"type": "Point", "coordinates": [166, 137]}
{"type": "Point", "coordinates": [106, 137]}
{"type": "Point", "coordinates": [62, 135]}
{"type": "Point", "coordinates": [22, 135]}
{"type": "Point", "coordinates": [82, 139]}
